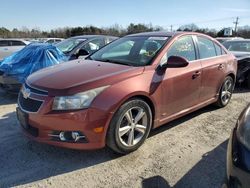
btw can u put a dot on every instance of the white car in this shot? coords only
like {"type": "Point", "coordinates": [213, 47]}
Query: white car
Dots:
{"type": "Point", "coordinates": [9, 46]}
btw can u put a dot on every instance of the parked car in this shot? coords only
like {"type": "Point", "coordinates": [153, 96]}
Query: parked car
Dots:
{"type": "Point", "coordinates": [82, 46]}
{"type": "Point", "coordinates": [241, 50]}
{"type": "Point", "coordinates": [15, 69]}
{"type": "Point", "coordinates": [119, 93]}
{"type": "Point", "coordinates": [224, 39]}
{"type": "Point", "coordinates": [51, 40]}
{"type": "Point", "coordinates": [9, 46]}
{"type": "Point", "coordinates": [238, 153]}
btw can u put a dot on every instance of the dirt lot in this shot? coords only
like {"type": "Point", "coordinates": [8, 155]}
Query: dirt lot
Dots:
{"type": "Point", "coordinates": [189, 152]}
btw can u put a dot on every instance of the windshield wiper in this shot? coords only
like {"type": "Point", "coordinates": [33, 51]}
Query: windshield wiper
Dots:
{"type": "Point", "coordinates": [114, 61]}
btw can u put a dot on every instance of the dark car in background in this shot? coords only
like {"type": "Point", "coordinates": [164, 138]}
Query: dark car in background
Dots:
{"type": "Point", "coordinates": [238, 153]}
{"type": "Point", "coordinates": [241, 50]}
{"type": "Point", "coordinates": [122, 91]}
{"type": "Point", "coordinates": [82, 46]}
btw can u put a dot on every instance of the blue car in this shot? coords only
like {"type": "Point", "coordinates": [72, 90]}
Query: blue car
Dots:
{"type": "Point", "coordinates": [16, 68]}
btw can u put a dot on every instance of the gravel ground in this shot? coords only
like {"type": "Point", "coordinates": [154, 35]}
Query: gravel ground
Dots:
{"type": "Point", "coordinates": [188, 152]}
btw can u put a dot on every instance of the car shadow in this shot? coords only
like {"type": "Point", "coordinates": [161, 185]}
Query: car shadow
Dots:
{"type": "Point", "coordinates": [210, 171]}
{"type": "Point", "coordinates": [183, 119]}
{"type": "Point", "coordinates": [155, 182]}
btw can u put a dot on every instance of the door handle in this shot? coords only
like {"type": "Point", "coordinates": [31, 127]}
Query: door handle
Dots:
{"type": "Point", "coordinates": [221, 66]}
{"type": "Point", "coordinates": [196, 74]}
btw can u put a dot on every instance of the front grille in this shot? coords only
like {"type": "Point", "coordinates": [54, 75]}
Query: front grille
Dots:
{"type": "Point", "coordinates": [34, 90]}
{"type": "Point", "coordinates": [29, 105]}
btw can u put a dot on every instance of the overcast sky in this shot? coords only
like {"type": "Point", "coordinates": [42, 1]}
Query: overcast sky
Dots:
{"type": "Point", "coordinates": [50, 14]}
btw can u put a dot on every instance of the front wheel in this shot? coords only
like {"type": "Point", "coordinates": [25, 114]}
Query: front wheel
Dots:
{"type": "Point", "coordinates": [225, 92]}
{"type": "Point", "coordinates": [130, 126]}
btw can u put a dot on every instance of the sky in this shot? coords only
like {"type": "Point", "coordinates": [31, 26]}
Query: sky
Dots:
{"type": "Point", "coordinates": [51, 14]}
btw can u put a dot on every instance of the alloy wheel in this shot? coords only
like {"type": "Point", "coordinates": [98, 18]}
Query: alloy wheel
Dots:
{"type": "Point", "coordinates": [133, 126]}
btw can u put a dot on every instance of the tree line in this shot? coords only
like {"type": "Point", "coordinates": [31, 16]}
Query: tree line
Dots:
{"type": "Point", "coordinates": [115, 30]}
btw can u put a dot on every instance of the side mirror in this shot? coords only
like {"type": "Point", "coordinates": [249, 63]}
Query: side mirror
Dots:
{"type": "Point", "coordinates": [175, 62]}
{"type": "Point", "coordinates": [82, 52]}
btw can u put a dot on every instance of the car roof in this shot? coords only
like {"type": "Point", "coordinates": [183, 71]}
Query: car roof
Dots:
{"type": "Point", "coordinates": [90, 36]}
{"type": "Point", "coordinates": [165, 33]}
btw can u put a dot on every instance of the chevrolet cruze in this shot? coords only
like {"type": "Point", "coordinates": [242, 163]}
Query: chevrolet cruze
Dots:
{"type": "Point", "coordinates": [118, 94]}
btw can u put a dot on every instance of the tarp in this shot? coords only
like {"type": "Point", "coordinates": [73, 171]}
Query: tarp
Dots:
{"type": "Point", "coordinates": [31, 59]}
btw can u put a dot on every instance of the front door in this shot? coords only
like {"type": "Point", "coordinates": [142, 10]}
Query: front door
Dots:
{"type": "Point", "coordinates": [181, 86]}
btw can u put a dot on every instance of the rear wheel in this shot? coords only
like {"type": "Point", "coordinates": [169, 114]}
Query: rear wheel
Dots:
{"type": "Point", "coordinates": [225, 92]}
{"type": "Point", "coordinates": [130, 126]}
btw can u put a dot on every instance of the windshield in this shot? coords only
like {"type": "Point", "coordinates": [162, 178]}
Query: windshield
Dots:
{"type": "Point", "coordinates": [239, 46]}
{"type": "Point", "coordinates": [133, 51]}
{"type": "Point", "coordinates": [68, 45]}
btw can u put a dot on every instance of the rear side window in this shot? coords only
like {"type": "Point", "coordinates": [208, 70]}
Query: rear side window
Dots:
{"type": "Point", "coordinates": [4, 43]}
{"type": "Point", "coordinates": [206, 47]}
{"type": "Point", "coordinates": [17, 43]}
{"type": "Point", "coordinates": [183, 47]}
{"type": "Point", "coordinates": [218, 49]}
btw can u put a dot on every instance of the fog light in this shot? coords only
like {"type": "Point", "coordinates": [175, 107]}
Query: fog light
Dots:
{"type": "Point", "coordinates": [61, 136]}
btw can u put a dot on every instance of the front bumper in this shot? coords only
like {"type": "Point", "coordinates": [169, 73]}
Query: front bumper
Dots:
{"type": "Point", "coordinates": [237, 176]}
{"type": "Point", "coordinates": [44, 123]}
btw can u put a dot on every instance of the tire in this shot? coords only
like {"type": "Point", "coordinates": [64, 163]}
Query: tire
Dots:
{"type": "Point", "coordinates": [225, 92]}
{"type": "Point", "coordinates": [129, 126]}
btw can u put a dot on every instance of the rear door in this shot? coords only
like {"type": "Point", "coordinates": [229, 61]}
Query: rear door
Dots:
{"type": "Point", "coordinates": [181, 86]}
{"type": "Point", "coordinates": [213, 67]}
{"type": "Point", "coordinates": [4, 48]}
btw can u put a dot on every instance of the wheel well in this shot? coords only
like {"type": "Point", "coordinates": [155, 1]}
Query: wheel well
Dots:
{"type": "Point", "coordinates": [232, 76]}
{"type": "Point", "coordinates": [148, 101]}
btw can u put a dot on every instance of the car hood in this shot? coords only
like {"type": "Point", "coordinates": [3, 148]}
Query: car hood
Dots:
{"type": "Point", "coordinates": [80, 75]}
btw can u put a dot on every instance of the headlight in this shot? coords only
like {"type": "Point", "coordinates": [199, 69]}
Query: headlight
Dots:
{"type": "Point", "coordinates": [78, 101]}
{"type": "Point", "coordinates": [243, 129]}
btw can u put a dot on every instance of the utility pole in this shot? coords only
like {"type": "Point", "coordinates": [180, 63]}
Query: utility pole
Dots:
{"type": "Point", "coordinates": [236, 24]}
{"type": "Point", "coordinates": [171, 26]}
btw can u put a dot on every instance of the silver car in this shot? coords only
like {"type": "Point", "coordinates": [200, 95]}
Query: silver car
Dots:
{"type": "Point", "coordinates": [9, 46]}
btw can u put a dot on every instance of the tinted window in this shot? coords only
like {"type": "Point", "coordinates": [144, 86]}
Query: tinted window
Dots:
{"type": "Point", "coordinates": [183, 47]}
{"type": "Point", "coordinates": [218, 49]}
{"type": "Point", "coordinates": [17, 43]}
{"type": "Point", "coordinates": [4, 43]}
{"type": "Point", "coordinates": [206, 48]}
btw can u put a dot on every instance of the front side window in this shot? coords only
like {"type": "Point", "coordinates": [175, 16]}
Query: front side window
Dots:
{"type": "Point", "coordinates": [183, 47]}
{"type": "Point", "coordinates": [134, 50]}
{"type": "Point", "coordinates": [68, 45]}
{"type": "Point", "coordinates": [206, 47]}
